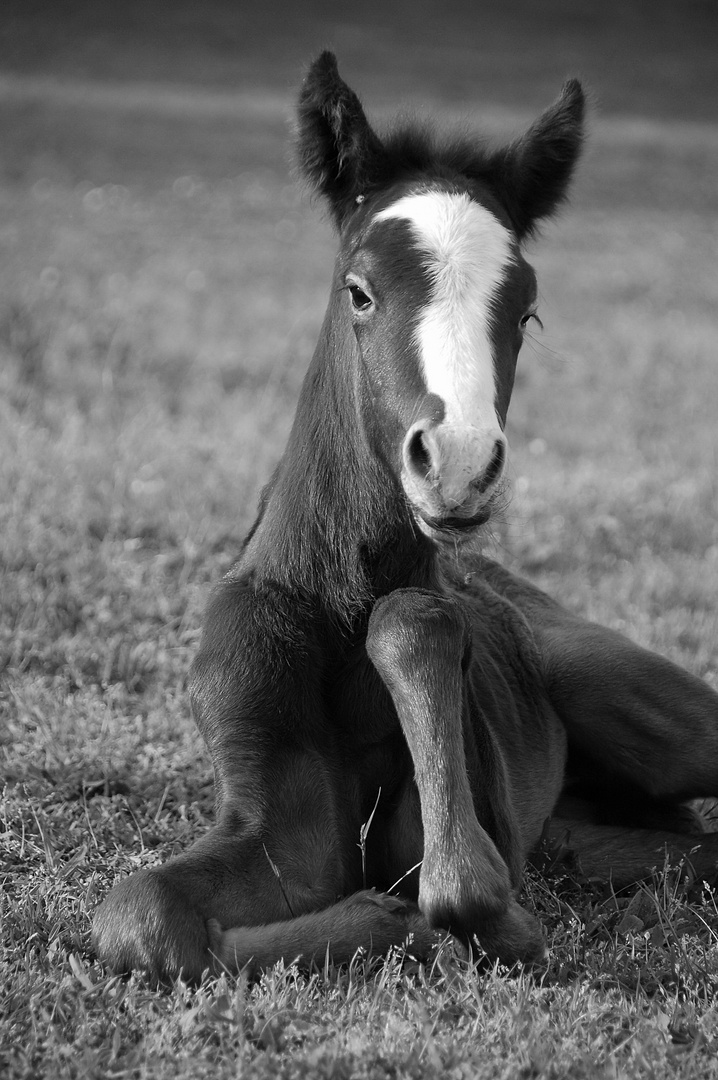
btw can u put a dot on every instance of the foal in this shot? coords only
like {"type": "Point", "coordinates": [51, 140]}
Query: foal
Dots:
{"type": "Point", "coordinates": [360, 663]}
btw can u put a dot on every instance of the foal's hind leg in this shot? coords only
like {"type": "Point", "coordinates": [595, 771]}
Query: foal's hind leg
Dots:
{"type": "Point", "coordinates": [419, 641]}
{"type": "Point", "coordinates": [643, 736]}
{"type": "Point", "coordinates": [624, 855]}
{"type": "Point", "coordinates": [634, 716]}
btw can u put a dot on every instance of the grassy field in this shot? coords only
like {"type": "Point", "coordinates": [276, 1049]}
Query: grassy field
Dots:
{"type": "Point", "coordinates": [162, 282]}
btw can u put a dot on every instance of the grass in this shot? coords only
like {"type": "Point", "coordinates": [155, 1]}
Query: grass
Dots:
{"type": "Point", "coordinates": [161, 288]}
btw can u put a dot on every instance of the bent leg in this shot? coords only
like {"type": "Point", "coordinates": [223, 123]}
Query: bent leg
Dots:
{"type": "Point", "coordinates": [279, 848]}
{"type": "Point", "coordinates": [156, 920]}
{"type": "Point", "coordinates": [368, 921]}
{"type": "Point", "coordinates": [625, 855]}
{"type": "Point", "coordinates": [631, 716]}
{"type": "Point", "coordinates": [419, 643]}
{"type": "Point", "coordinates": [276, 868]}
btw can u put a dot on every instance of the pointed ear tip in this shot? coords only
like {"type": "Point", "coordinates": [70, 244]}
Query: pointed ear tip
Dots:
{"type": "Point", "coordinates": [321, 75]}
{"type": "Point", "coordinates": [574, 95]}
{"type": "Point", "coordinates": [572, 86]}
{"type": "Point", "coordinates": [324, 64]}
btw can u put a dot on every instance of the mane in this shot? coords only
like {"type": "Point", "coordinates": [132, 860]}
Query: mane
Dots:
{"type": "Point", "coordinates": [327, 528]}
{"type": "Point", "coordinates": [465, 159]}
{"type": "Point", "coordinates": [415, 146]}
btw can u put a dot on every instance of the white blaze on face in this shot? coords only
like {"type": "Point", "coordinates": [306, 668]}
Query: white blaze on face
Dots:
{"type": "Point", "coordinates": [467, 252]}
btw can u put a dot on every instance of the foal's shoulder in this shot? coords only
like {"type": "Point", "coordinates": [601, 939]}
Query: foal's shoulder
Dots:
{"type": "Point", "coordinates": [497, 622]}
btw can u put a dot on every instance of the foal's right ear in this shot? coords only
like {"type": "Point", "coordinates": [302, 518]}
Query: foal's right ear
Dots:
{"type": "Point", "coordinates": [339, 154]}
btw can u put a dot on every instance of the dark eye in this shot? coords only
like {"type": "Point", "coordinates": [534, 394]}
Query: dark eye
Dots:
{"type": "Point", "coordinates": [523, 323]}
{"type": "Point", "coordinates": [360, 300]}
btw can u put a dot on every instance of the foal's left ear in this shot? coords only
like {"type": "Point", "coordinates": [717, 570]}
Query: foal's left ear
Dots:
{"type": "Point", "coordinates": [339, 153]}
{"type": "Point", "coordinates": [531, 176]}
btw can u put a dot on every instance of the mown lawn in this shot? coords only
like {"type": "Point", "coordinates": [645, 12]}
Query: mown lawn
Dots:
{"type": "Point", "coordinates": [162, 281]}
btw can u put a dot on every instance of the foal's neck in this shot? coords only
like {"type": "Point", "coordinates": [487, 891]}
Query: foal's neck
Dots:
{"type": "Point", "coordinates": [334, 526]}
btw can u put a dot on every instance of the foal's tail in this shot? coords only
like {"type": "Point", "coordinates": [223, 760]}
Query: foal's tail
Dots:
{"type": "Point", "coordinates": [368, 921]}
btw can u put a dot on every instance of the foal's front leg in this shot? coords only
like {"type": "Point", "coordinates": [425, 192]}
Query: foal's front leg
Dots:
{"type": "Point", "coordinates": [419, 643]}
{"type": "Point", "coordinates": [276, 850]}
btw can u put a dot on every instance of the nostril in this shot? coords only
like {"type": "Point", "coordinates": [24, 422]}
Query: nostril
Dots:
{"type": "Point", "coordinates": [494, 468]}
{"type": "Point", "coordinates": [496, 465]}
{"type": "Point", "coordinates": [418, 454]}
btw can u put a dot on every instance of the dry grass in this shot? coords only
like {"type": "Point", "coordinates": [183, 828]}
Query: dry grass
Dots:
{"type": "Point", "coordinates": [153, 334]}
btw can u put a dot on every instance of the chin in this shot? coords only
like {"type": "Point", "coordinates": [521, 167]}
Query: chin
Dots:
{"type": "Point", "coordinates": [452, 534]}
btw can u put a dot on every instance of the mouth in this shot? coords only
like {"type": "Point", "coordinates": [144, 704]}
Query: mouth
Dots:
{"type": "Point", "coordinates": [452, 527]}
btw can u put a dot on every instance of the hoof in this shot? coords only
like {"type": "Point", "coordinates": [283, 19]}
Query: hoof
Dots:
{"type": "Point", "coordinates": [508, 933]}
{"type": "Point", "coordinates": [146, 925]}
{"type": "Point", "coordinates": [515, 938]}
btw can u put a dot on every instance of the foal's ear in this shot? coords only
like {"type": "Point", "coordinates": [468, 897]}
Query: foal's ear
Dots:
{"type": "Point", "coordinates": [338, 152]}
{"type": "Point", "coordinates": [531, 176]}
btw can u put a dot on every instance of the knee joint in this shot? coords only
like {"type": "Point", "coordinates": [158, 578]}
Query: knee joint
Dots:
{"type": "Point", "coordinates": [409, 624]}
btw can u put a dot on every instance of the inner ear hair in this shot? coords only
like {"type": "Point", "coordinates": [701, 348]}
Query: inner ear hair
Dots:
{"type": "Point", "coordinates": [338, 152]}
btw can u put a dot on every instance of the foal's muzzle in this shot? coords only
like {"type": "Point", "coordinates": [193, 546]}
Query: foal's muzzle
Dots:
{"type": "Point", "coordinates": [450, 475]}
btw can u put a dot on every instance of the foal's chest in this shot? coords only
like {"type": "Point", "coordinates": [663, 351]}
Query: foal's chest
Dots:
{"type": "Point", "coordinates": [361, 713]}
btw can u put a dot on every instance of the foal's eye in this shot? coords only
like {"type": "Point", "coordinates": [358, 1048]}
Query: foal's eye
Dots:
{"type": "Point", "coordinates": [523, 323]}
{"type": "Point", "coordinates": [360, 300]}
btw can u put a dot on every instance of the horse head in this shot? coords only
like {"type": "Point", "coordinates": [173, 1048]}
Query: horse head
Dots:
{"type": "Point", "coordinates": [431, 286]}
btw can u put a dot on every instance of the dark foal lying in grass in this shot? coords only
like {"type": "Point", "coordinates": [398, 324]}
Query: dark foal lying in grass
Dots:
{"type": "Point", "coordinates": [362, 659]}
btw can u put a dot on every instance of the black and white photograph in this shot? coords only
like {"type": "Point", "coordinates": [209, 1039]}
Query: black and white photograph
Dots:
{"type": "Point", "coordinates": [358, 540]}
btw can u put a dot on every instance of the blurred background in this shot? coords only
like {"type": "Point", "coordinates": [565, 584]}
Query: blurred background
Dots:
{"type": "Point", "coordinates": [159, 70]}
